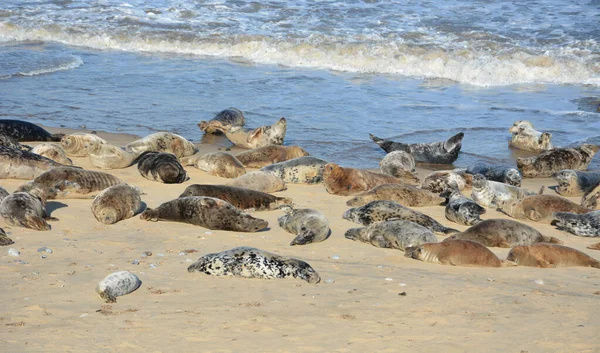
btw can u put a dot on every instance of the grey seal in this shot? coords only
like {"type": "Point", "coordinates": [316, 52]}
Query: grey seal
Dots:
{"type": "Point", "coordinates": [550, 255]}
{"type": "Point", "coordinates": [244, 199]}
{"type": "Point", "coordinates": [52, 151]}
{"type": "Point", "coordinates": [26, 210]}
{"type": "Point", "coordinates": [161, 167]}
{"type": "Point", "coordinates": [11, 142]}
{"type": "Point", "coordinates": [78, 144]}
{"type": "Point", "coordinates": [503, 233]}
{"type": "Point", "coordinates": [500, 173]}
{"type": "Point", "coordinates": [585, 225]}
{"type": "Point", "coordinates": [575, 182]}
{"type": "Point", "coordinates": [301, 170]}
{"type": "Point", "coordinates": [442, 152]}
{"type": "Point", "coordinates": [26, 131]}
{"type": "Point", "coordinates": [396, 163]}
{"type": "Point", "coordinates": [219, 164]}
{"type": "Point", "coordinates": [455, 253]}
{"type": "Point", "coordinates": [486, 193]}
{"type": "Point", "coordinates": [309, 225]}
{"type": "Point", "coordinates": [259, 181]}
{"type": "Point", "coordinates": [3, 193]}
{"type": "Point", "coordinates": [443, 180]}
{"type": "Point", "coordinates": [266, 155]}
{"type": "Point", "coordinates": [396, 234]}
{"type": "Point", "coordinates": [259, 137]}
{"type": "Point", "coordinates": [163, 142]}
{"type": "Point", "coordinates": [116, 203]}
{"type": "Point", "coordinates": [406, 195]}
{"type": "Point", "coordinates": [526, 137]}
{"type": "Point", "coordinates": [18, 164]}
{"type": "Point", "coordinates": [557, 159]}
{"type": "Point", "coordinates": [117, 284]}
{"type": "Point", "coordinates": [539, 208]}
{"type": "Point", "coordinates": [461, 209]}
{"type": "Point", "coordinates": [222, 121]}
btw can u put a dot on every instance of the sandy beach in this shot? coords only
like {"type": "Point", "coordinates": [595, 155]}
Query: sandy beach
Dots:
{"type": "Point", "coordinates": [369, 299]}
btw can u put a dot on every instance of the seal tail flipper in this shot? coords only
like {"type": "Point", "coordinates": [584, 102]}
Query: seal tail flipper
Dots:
{"type": "Point", "coordinates": [454, 142]}
{"type": "Point", "coordinates": [376, 139]}
{"type": "Point", "coordinates": [37, 223]}
{"type": "Point", "coordinates": [594, 246]}
{"type": "Point", "coordinates": [304, 237]}
{"type": "Point", "coordinates": [446, 230]}
{"type": "Point", "coordinates": [508, 263]}
{"type": "Point", "coordinates": [552, 240]}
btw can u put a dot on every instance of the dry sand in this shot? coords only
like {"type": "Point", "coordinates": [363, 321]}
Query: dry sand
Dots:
{"type": "Point", "coordinates": [50, 304]}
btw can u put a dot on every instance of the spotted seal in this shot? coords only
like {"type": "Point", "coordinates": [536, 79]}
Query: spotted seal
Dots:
{"type": "Point", "coordinates": [557, 159]}
{"type": "Point", "coordinates": [585, 225]}
{"type": "Point", "coordinates": [526, 137]}
{"type": "Point", "coordinates": [309, 225]}
{"type": "Point", "coordinates": [406, 195]}
{"type": "Point", "coordinates": [207, 212]}
{"type": "Point", "coordinates": [539, 208]}
{"type": "Point", "coordinates": [259, 137]}
{"type": "Point", "coordinates": [18, 164]}
{"type": "Point", "coordinates": [266, 155]}
{"type": "Point", "coordinates": [461, 209]}
{"type": "Point", "coordinates": [455, 253]}
{"type": "Point", "coordinates": [222, 121]}
{"type": "Point", "coordinates": [590, 198]}
{"type": "Point", "coordinates": [52, 151]}
{"type": "Point", "coordinates": [349, 181]}
{"type": "Point", "coordinates": [163, 142]}
{"type": "Point", "coordinates": [241, 198]}
{"type": "Point", "coordinates": [486, 192]}
{"type": "Point", "coordinates": [550, 255]}
{"type": "Point", "coordinates": [443, 180]}
{"type": "Point", "coordinates": [107, 156]}
{"type": "Point", "coordinates": [396, 234]}
{"type": "Point", "coordinates": [249, 262]}
{"type": "Point", "coordinates": [117, 284]}
{"type": "Point", "coordinates": [574, 182]}
{"type": "Point", "coordinates": [503, 233]}
{"type": "Point", "coordinates": [78, 144]}
{"type": "Point", "coordinates": [11, 142]}
{"type": "Point", "coordinates": [26, 210]}
{"type": "Point", "coordinates": [381, 210]}
{"type": "Point", "coordinates": [162, 167]}
{"type": "Point", "coordinates": [442, 152]}
{"type": "Point", "coordinates": [219, 164]}
{"type": "Point", "coordinates": [26, 131]}
{"type": "Point", "coordinates": [116, 203]}
{"type": "Point", "coordinates": [259, 181]}
{"type": "Point", "coordinates": [500, 173]}
{"type": "Point", "coordinates": [397, 164]}
{"type": "Point", "coordinates": [301, 170]}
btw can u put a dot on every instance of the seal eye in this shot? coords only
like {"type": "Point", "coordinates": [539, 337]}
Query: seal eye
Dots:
{"type": "Point", "coordinates": [420, 250]}
{"type": "Point", "coordinates": [330, 168]}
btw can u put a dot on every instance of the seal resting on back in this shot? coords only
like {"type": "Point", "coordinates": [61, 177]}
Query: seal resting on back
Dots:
{"type": "Point", "coordinates": [78, 144]}
{"type": "Point", "coordinates": [267, 155]}
{"type": "Point", "coordinates": [163, 142]}
{"type": "Point", "coordinates": [241, 198]}
{"type": "Point", "coordinates": [259, 137]}
{"type": "Point", "coordinates": [249, 262]}
{"type": "Point", "coordinates": [500, 173]}
{"type": "Point", "coordinates": [26, 131]}
{"type": "Point", "coordinates": [259, 181]}
{"type": "Point", "coordinates": [27, 210]}
{"type": "Point", "coordinates": [503, 233]}
{"type": "Point", "coordinates": [221, 164]}
{"type": "Point", "coordinates": [585, 225]}
{"type": "Point", "coordinates": [349, 181]}
{"type": "Point", "coordinates": [107, 156]}
{"type": "Point", "coordinates": [555, 160]}
{"type": "Point", "coordinates": [52, 151]}
{"type": "Point", "coordinates": [301, 170]}
{"type": "Point", "coordinates": [309, 226]}
{"type": "Point", "coordinates": [526, 137]}
{"type": "Point", "coordinates": [574, 182]}
{"type": "Point", "coordinates": [161, 167]}
{"type": "Point", "coordinates": [443, 180]}
{"type": "Point", "coordinates": [549, 255]}
{"type": "Point", "coordinates": [116, 203]}
{"type": "Point", "coordinates": [224, 120]}
{"type": "Point", "coordinates": [487, 193]}
{"type": "Point", "coordinates": [443, 152]}
{"type": "Point", "coordinates": [406, 195]}
{"type": "Point", "coordinates": [395, 234]}
{"type": "Point", "coordinates": [17, 164]}
{"type": "Point", "coordinates": [455, 253]}
{"type": "Point", "coordinates": [461, 209]}
{"type": "Point", "coordinates": [539, 208]}
{"type": "Point", "coordinates": [206, 212]}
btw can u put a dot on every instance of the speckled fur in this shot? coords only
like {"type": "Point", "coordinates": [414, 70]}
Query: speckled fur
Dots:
{"type": "Point", "coordinates": [585, 225]}
{"type": "Point", "coordinates": [309, 225]}
{"type": "Point", "coordinates": [161, 167]}
{"type": "Point", "coordinates": [116, 285]}
{"type": "Point", "coordinates": [440, 181]}
{"type": "Point", "coordinates": [397, 163]}
{"type": "Point", "coordinates": [526, 137]}
{"type": "Point", "coordinates": [224, 120]}
{"type": "Point", "coordinates": [406, 195]}
{"type": "Point", "coordinates": [499, 173]}
{"type": "Point", "coordinates": [267, 155]}
{"type": "Point", "coordinates": [259, 137]}
{"type": "Point", "coordinates": [163, 142]}
{"type": "Point", "coordinates": [301, 170]}
{"type": "Point", "coordinates": [575, 182]}
{"type": "Point", "coordinates": [116, 203]}
{"type": "Point", "coordinates": [396, 234]}
{"type": "Point", "coordinates": [26, 131]}
{"type": "Point", "coordinates": [486, 193]}
{"type": "Point", "coordinates": [442, 152]}
{"type": "Point", "coordinates": [221, 164]}
{"type": "Point", "coordinates": [555, 160]}
{"type": "Point", "coordinates": [462, 210]}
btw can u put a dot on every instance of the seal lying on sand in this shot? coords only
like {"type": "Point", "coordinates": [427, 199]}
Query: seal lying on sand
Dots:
{"type": "Point", "coordinates": [377, 211]}
{"type": "Point", "coordinates": [503, 233]}
{"type": "Point", "coordinates": [590, 198]}
{"type": "Point", "coordinates": [575, 183]}
{"type": "Point", "coordinates": [17, 164]}
{"type": "Point", "coordinates": [539, 208]}
{"type": "Point", "coordinates": [78, 144]}
{"type": "Point", "coordinates": [461, 209]}
{"type": "Point", "coordinates": [249, 262]}
{"type": "Point", "coordinates": [301, 170]}
{"type": "Point", "coordinates": [107, 156]}
{"type": "Point", "coordinates": [224, 120]}
{"type": "Point", "coordinates": [116, 203]}
{"type": "Point", "coordinates": [397, 163]}
{"type": "Point", "coordinates": [259, 137]}
{"type": "Point", "coordinates": [487, 193]}
{"type": "Point", "coordinates": [22, 209]}
{"type": "Point", "coordinates": [219, 164]}
{"type": "Point", "coordinates": [443, 180]}
{"type": "Point", "coordinates": [309, 226]}
{"type": "Point", "coordinates": [25, 131]}
{"type": "Point", "coordinates": [259, 181]}
{"type": "Point", "coordinates": [117, 284]}
{"type": "Point", "coordinates": [11, 142]}
{"type": "Point", "coordinates": [267, 155]}
{"type": "Point", "coordinates": [549, 255]}
{"type": "Point", "coordinates": [585, 225]}
{"type": "Point", "coordinates": [206, 212]}
{"type": "Point", "coordinates": [161, 167]}
{"type": "Point", "coordinates": [500, 173]}
{"type": "Point", "coordinates": [526, 137]}
{"type": "Point", "coordinates": [52, 151]}
{"type": "Point", "coordinates": [455, 253]}
{"type": "Point", "coordinates": [396, 234]}
{"type": "Point", "coordinates": [555, 160]}
{"type": "Point", "coordinates": [443, 152]}
{"type": "Point", "coordinates": [403, 194]}
{"type": "Point", "coordinates": [163, 142]}
{"type": "Point", "coordinates": [244, 199]}
{"type": "Point", "coordinates": [349, 181]}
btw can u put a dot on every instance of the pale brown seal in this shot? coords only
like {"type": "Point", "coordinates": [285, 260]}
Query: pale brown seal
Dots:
{"type": "Point", "coordinates": [406, 195]}
{"type": "Point", "coordinates": [349, 181]}
{"type": "Point", "coordinates": [259, 137]}
{"type": "Point", "coordinates": [163, 142]}
{"type": "Point", "coordinates": [116, 203]}
{"type": "Point", "coordinates": [441, 152]}
{"type": "Point", "coordinates": [526, 137]}
{"type": "Point", "coordinates": [549, 255]}
{"type": "Point", "coordinates": [395, 234]}
{"type": "Point", "coordinates": [162, 167]}
{"type": "Point", "coordinates": [301, 170]}
{"type": "Point", "coordinates": [26, 131]}
{"type": "Point", "coordinates": [222, 121]}
{"type": "Point", "coordinates": [219, 164]}
{"type": "Point", "coordinates": [27, 210]}
{"type": "Point", "coordinates": [557, 159]}
{"type": "Point", "coordinates": [77, 144]}
{"type": "Point", "coordinates": [107, 156]}
{"type": "Point", "coordinates": [455, 253]}
{"type": "Point", "coordinates": [539, 208]}
{"type": "Point", "coordinates": [52, 151]}
{"type": "Point", "coordinates": [267, 155]}
{"type": "Point", "coordinates": [309, 225]}
{"type": "Point", "coordinates": [241, 198]}
{"type": "Point", "coordinates": [575, 182]}
{"type": "Point", "coordinates": [259, 181]}
{"type": "Point", "coordinates": [18, 164]}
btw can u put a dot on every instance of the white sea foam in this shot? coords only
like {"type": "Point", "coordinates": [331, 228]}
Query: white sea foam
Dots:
{"type": "Point", "coordinates": [72, 64]}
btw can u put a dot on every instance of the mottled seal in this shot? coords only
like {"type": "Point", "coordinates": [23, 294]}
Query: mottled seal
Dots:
{"type": "Point", "coordinates": [557, 159]}
{"type": "Point", "coordinates": [162, 167]}
{"type": "Point", "coordinates": [503, 233]}
{"type": "Point", "coordinates": [224, 120]}
{"type": "Point", "coordinates": [349, 181]}
{"type": "Point", "coordinates": [221, 164]}
{"type": "Point", "coordinates": [396, 234]}
{"type": "Point", "coordinates": [18, 164]}
{"type": "Point", "coordinates": [241, 198]}
{"type": "Point", "coordinates": [590, 198]}
{"type": "Point", "coordinates": [585, 225]}
{"type": "Point", "coordinates": [116, 285]}
{"type": "Point", "coordinates": [259, 137]}
{"type": "Point", "coordinates": [549, 255]}
{"type": "Point", "coordinates": [26, 131]}
{"type": "Point", "coordinates": [461, 209]}
{"type": "Point", "coordinates": [259, 181]}
{"type": "Point", "coordinates": [309, 225]}
{"type": "Point", "coordinates": [266, 155]}
{"type": "Point", "coordinates": [406, 195]}
{"type": "Point", "coordinates": [539, 208]}
{"type": "Point", "coordinates": [78, 144]}
{"type": "Point", "coordinates": [526, 137]}
{"type": "Point", "coordinates": [500, 173]}
{"type": "Point", "coordinates": [443, 180]}
{"type": "Point", "coordinates": [207, 212]}
{"type": "Point", "coordinates": [574, 182]}
{"type": "Point", "coordinates": [249, 262]}
{"type": "Point", "coordinates": [107, 156]}
{"type": "Point", "coordinates": [397, 164]}
{"type": "Point", "coordinates": [52, 151]}
{"type": "Point", "coordinates": [27, 210]}
{"type": "Point", "coordinates": [11, 142]}
{"type": "Point", "coordinates": [442, 152]}
{"type": "Point", "coordinates": [116, 203]}
{"type": "Point", "coordinates": [486, 193]}
{"type": "Point", "coordinates": [455, 253]}
{"type": "Point", "coordinates": [381, 210]}
{"type": "Point", "coordinates": [301, 170]}
{"type": "Point", "coordinates": [163, 142]}
{"type": "Point", "coordinates": [4, 239]}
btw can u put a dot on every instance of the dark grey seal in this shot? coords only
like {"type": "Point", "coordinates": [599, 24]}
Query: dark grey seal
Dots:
{"type": "Point", "coordinates": [575, 182]}
{"type": "Point", "coordinates": [501, 173]}
{"type": "Point", "coordinates": [461, 209]}
{"type": "Point", "coordinates": [442, 152]}
{"type": "Point", "coordinates": [25, 131]}
{"type": "Point", "coordinates": [162, 167]}
{"type": "Point", "coordinates": [309, 225]}
{"type": "Point", "coordinates": [585, 225]}
{"type": "Point", "coordinates": [11, 142]}
{"type": "Point", "coordinates": [244, 199]}
{"type": "Point", "coordinates": [224, 120]}
{"type": "Point", "coordinates": [301, 170]}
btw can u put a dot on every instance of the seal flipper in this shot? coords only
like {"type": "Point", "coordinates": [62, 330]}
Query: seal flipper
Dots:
{"type": "Point", "coordinates": [34, 222]}
{"type": "Point", "coordinates": [454, 142]}
{"type": "Point", "coordinates": [56, 137]}
{"type": "Point", "coordinates": [379, 241]}
{"type": "Point", "coordinates": [533, 215]}
{"type": "Point", "coordinates": [306, 236]}
{"type": "Point", "coordinates": [107, 296]}
{"type": "Point", "coordinates": [4, 239]}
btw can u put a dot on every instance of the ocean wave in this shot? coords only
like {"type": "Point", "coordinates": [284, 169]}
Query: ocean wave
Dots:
{"type": "Point", "coordinates": [69, 65]}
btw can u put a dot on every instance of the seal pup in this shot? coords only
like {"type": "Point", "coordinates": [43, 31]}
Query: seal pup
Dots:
{"type": "Point", "coordinates": [574, 182]}
{"type": "Point", "coordinates": [116, 203]}
{"type": "Point", "coordinates": [309, 226]}
{"type": "Point", "coordinates": [259, 137]}
{"type": "Point", "coordinates": [500, 173]}
{"type": "Point", "coordinates": [11, 142]}
{"type": "Point", "coordinates": [116, 285]}
{"type": "Point", "coordinates": [585, 225]}
{"type": "Point", "coordinates": [397, 163]}
{"type": "Point", "coordinates": [267, 155]}
{"type": "Point", "coordinates": [461, 209]}
{"type": "Point", "coordinates": [301, 170]}
{"type": "Point", "coordinates": [207, 212]}
{"type": "Point", "coordinates": [107, 156]}
{"type": "Point", "coordinates": [443, 180]}
{"type": "Point", "coordinates": [78, 144]}
{"type": "Point", "coordinates": [503, 233]}
{"type": "Point", "coordinates": [249, 262]}
{"type": "Point", "coordinates": [539, 208]}
{"type": "Point", "coordinates": [550, 255]}
{"type": "Point", "coordinates": [18, 164]}
{"type": "Point", "coordinates": [406, 195]}
{"type": "Point", "coordinates": [395, 234]}
{"type": "Point", "coordinates": [221, 164]}
{"type": "Point", "coordinates": [526, 137]}
{"type": "Point", "coordinates": [244, 199]}
{"type": "Point", "coordinates": [259, 181]}
{"type": "Point", "coordinates": [349, 181]}
{"type": "Point", "coordinates": [163, 142]}
{"type": "Point", "coordinates": [224, 120]}
{"type": "Point", "coordinates": [590, 198]}
{"type": "Point", "coordinates": [4, 239]}
{"type": "Point", "coordinates": [26, 210]}
{"type": "Point", "coordinates": [26, 131]}
{"type": "Point", "coordinates": [381, 210]}
{"type": "Point", "coordinates": [52, 151]}
{"type": "Point", "coordinates": [455, 253]}
{"type": "Point", "coordinates": [162, 167]}
{"type": "Point", "coordinates": [442, 152]}
{"type": "Point", "coordinates": [486, 192]}
{"type": "Point", "coordinates": [557, 159]}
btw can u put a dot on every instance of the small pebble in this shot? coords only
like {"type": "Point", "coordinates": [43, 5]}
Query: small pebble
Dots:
{"type": "Point", "coordinates": [189, 260]}
{"type": "Point", "coordinates": [45, 249]}
{"type": "Point", "coordinates": [402, 294]}
{"type": "Point", "coordinates": [329, 280]}
{"type": "Point", "coordinates": [83, 315]}
{"type": "Point", "coordinates": [207, 232]}
{"type": "Point", "coordinates": [43, 256]}
{"type": "Point", "coordinates": [491, 280]}
{"type": "Point", "coordinates": [152, 266]}
{"type": "Point", "coordinates": [147, 253]}
{"type": "Point", "coordinates": [402, 284]}
{"type": "Point", "coordinates": [539, 281]}
{"type": "Point", "coordinates": [21, 262]}
{"type": "Point", "coordinates": [182, 254]}
{"type": "Point", "coordinates": [161, 255]}
{"type": "Point", "coordinates": [135, 262]}
{"type": "Point", "coordinates": [13, 252]}
{"type": "Point", "coordinates": [335, 257]}
{"type": "Point", "coordinates": [389, 279]}
{"type": "Point", "coordinates": [379, 266]}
